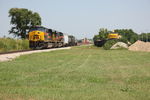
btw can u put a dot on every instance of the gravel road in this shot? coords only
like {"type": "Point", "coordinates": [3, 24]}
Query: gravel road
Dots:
{"type": "Point", "coordinates": [9, 57]}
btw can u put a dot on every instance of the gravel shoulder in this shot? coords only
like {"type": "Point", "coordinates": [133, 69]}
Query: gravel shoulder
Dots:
{"type": "Point", "coordinates": [9, 57]}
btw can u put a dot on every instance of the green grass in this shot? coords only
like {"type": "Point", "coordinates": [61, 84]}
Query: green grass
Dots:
{"type": "Point", "coordinates": [8, 44]}
{"type": "Point", "coordinates": [81, 73]}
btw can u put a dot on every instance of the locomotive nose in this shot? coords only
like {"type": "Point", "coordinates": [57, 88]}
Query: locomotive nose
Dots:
{"type": "Point", "coordinates": [36, 35]}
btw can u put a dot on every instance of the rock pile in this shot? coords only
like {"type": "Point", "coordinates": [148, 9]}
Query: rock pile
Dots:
{"type": "Point", "coordinates": [119, 45]}
{"type": "Point", "coordinates": [11, 56]}
{"type": "Point", "coordinates": [140, 46]}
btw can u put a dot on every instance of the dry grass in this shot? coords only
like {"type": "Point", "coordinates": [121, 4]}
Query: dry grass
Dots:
{"type": "Point", "coordinates": [8, 44]}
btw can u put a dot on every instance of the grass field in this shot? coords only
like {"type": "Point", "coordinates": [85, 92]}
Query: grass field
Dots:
{"type": "Point", "coordinates": [81, 73]}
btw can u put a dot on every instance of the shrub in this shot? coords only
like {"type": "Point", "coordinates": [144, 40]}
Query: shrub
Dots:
{"type": "Point", "coordinates": [123, 40]}
{"type": "Point", "coordinates": [109, 44]}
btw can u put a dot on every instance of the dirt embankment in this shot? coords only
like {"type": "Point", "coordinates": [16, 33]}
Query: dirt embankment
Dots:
{"type": "Point", "coordinates": [140, 46]}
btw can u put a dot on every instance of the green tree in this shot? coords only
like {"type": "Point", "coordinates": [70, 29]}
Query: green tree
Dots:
{"type": "Point", "coordinates": [127, 34]}
{"type": "Point", "coordinates": [22, 19]}
{"type": "Point", "coordinates": [144, 37]}
{"type": "Point", "coordinates": [103, 33]}
{"type": "Point", "coordinates": [96, 37]}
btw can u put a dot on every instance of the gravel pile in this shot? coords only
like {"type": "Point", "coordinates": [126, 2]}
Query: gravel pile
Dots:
{"type": "Point", "coordinates": [119, 45]}
{"type": "Point", "coordinates": [9, 57]}
{"type": "Point", "coordinates": [140, 46]}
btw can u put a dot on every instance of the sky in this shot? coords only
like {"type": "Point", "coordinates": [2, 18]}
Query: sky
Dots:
{"type": "Point", "coordinates": [82, 18]}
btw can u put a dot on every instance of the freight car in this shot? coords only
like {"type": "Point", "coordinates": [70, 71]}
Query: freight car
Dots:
{"type": "Point", "coordinates": [42, 37]}
{"type": "Point", "coordinates": [71, 40]}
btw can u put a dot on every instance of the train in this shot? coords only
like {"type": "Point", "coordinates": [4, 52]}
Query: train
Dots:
{"type": "Point", "coordinates": [41, 37]}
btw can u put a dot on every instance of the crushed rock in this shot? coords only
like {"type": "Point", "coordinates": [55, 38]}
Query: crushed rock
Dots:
{"type": "Point", "coordinates": [9, 57]}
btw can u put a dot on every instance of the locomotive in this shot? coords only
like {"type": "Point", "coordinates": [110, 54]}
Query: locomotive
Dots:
{"type": "Point", "coordinates": [41, 37]}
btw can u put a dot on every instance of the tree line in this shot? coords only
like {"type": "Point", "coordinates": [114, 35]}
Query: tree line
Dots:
{"type": "Point", "coordinates": [126, 35]}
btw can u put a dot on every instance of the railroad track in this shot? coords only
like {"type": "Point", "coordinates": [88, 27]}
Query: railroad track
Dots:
{"type": "Point", "coordinates": [19, 51]}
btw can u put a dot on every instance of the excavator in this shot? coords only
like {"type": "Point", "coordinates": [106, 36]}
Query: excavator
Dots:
{"type": "Point", "coordinates": [111, 35]}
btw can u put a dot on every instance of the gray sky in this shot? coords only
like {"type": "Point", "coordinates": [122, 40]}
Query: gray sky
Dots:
{"type": "Point", "coordinates": [83, 18]}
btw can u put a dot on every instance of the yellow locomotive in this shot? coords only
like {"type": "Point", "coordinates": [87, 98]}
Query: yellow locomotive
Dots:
{"type": "Point", "coordinates": [37, 36]}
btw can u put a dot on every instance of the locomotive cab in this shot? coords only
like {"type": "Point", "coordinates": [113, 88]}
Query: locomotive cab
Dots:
{"type": "Point", "coordinates": [37, 36]}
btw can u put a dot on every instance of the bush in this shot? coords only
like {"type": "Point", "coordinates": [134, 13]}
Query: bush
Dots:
{"type": "Point", "coordinates": [109, 44]}
{"type": "Point", "coordinates": [123, 40]}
